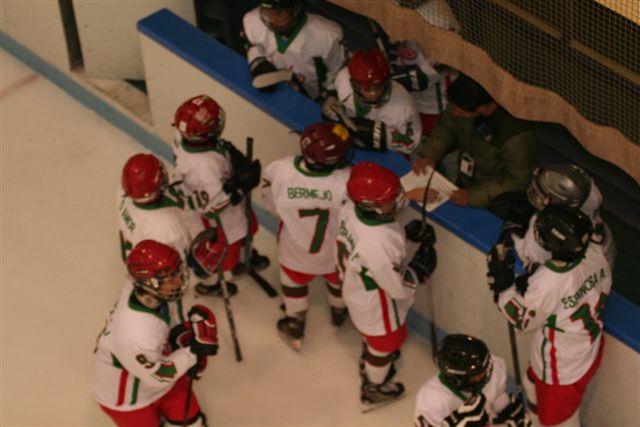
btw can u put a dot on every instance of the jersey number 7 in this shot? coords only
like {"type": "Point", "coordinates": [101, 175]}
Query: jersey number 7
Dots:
{"type": "Point", "coordinates": [320, 229]}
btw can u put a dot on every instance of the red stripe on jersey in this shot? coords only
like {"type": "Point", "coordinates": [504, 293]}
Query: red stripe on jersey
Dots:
{"type": "Point", "coordinates": [124, 375]}
{"type": "Point", "coordinates": [552, 354]}
{"type": "Point", "coordinates": [385, 310]}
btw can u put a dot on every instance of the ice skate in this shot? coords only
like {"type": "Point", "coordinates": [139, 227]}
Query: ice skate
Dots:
{"type": "Point", "coordinates": [258, 263]}
{"type": "Point", "coordinates": [374, 396]}
{"type": "Point", "coordinates": [339, 316]}
{"type": "Point", "coordinates": [216, 290]}
{"type": "Point", "coordinates": [291, 330]}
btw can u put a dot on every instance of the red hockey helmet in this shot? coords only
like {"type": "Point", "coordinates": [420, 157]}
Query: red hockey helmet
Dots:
{"type": "Point", "coordinates": [281, 16]}
{"type": "Point", "coordinates": [376, 190]}
{"type": "Point", "coordinates": [324, 145]}
{"type": "Point", "coordinates": [144, 178]}
{"type": "Point", "coordinates": [199, 119]}
{"type": "Point", "coordinates": [158, 270]}
{"type": "Point", "coordinates": [370, 74]}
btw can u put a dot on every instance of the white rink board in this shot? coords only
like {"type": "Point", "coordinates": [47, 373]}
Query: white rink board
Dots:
{"type": "Point", "coordinates": [463, 303]}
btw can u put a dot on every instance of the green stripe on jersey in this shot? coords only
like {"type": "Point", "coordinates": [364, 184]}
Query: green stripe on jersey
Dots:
{"type": "Point", "coordinates": [134, 393]}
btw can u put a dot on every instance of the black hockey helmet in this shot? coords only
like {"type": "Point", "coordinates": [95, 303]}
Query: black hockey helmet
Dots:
{"type": "Point", "coordinates": [465, 362]}
{"type": "Point", "coordinates": [563, 231]}
{"type": "Point", "coordinates": [281, 16]}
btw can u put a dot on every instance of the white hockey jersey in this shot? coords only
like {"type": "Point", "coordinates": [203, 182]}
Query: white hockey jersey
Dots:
{"type": "Point", "coordinates": [314, 52]}
{"type": "Point", "coordinates": [370, 258]}
{"type": "Point", "coordinates": [433, 99]}
{"type": "Point", "coordinates": [133, 365]}
{"type": "Point", "coordinates": [564, 306]}
{"type": "Point", "coordinates": [530, 252]}
{"type": "Point", "coordinates": [307, 204]}
{"type": "Point", "coordinates": [399, 113]}
{"type": "Point", "coordinates": [437, 398]}
{"type": "Point", "coordinates": [203, 172]}
{"type": "Point", "coordinates": [169, 221]}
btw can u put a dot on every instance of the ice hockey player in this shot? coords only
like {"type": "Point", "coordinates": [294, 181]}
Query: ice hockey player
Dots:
{"type": "Point", "coordinates": [559, 184]}
{"type": "Point", "coordinates": [378, 111]}
{"type": "Point", "coordinates": [470, 390]}
{"type": "Point", "coordinates": [282, 36]}
{"type": "Point", "coordinates": [414, 70]}
{"type": "Point", "coordinates": [215, 178]}
{"type": "Point", "coordinates": [140, 376]}
{"type": "Point", "coordinates": [307, 192]}
{"type": "Point", "coordinates": [376, 285]}
{"type": "Point", "coordinates": [563, 302]}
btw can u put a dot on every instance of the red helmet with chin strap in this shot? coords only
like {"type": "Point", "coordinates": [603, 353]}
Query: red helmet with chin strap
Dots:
{"type": "Point", "coordinates": [199, 119]}
{"type": "Point", "coordinates": [370, 74]}
{"type": "Point", "coordinates": [150, 263]}
{"type": "Point", "coordinates": [144, 178]}
{"type": "Point", "coordinates": [324, 145]}
{"type": "Point", "coordinates": [375, 189]}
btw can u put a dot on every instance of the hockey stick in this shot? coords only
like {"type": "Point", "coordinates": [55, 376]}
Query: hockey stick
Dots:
{"type": "Point", "coordinates": [248, 240]}
{"type": "Point", "coordinates": [270, 79]}
{"type": "Point", "coordinates": [229, 312]}
{"type": "Point", "coordinates": [185, 420]}
{"type": "Point", "coordinates": [378, 37]}
{"type": "Point", "coordinates": [430, 306]}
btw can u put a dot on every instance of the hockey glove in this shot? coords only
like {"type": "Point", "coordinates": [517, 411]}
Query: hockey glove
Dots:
{"type": "Point", "coordinates": [424, 262]}
{"type": "Point", "coordinates": [180, 336]}
{"type": "Point", "coordinates": [500, 263]}
{"type": "Point", "coordinates": [514, 414]}
{"type": "Point", "coordinates": [238, 159]}
{"type": "Point", "coordinates": [369, 134]}
{"type": "Point", "coordinates": [261, 66]}
{"type": "Point", "coordinates": [419, 232]}
{"type": "Point", "coordinates": [411, 77]}
{"type": "Point", "coordinates": [205, 332]}
{"type": "Point", "coordinates": [470, 414]}
{"type": "Point", "coordinates": [243, 181]}
{"type": "Point", "coordinates": [207, 250]}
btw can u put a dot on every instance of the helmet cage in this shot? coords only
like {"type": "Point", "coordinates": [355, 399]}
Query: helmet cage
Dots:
{"type": "Point", "coordinates": [153, 285]}
{"type": "Point", "coordinates": [384, 211]}
{"type": "Point", "coordinates": [472, 382]}
{"type": "Point", "coordinates": [294, 9]}
{"type": "Point", "coordinates": [361, 91]}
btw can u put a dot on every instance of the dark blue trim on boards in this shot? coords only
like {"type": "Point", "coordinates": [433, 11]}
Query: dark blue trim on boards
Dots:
{"type": "Point", "coordinates": [475, 226]}
{"type": "Point", "coordinates": [229, 68]}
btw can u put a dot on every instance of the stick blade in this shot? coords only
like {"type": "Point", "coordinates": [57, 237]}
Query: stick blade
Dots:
{"type": "Point", "coordinates": [269, 79]}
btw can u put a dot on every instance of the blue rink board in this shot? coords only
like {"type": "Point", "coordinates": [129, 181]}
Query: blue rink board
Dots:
{"type": "Point", "coordinates": [477, 227]}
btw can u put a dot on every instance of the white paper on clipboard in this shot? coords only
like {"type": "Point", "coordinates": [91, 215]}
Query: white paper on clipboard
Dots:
{"type": "Point", "coordinates": [439, 183]}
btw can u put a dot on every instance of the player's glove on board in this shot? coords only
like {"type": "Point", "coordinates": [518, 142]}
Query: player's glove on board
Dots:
{"type": "Point", "coordinates": [501, 270]}
{"type": "Point", "coordinates": [424, 262]}
{"type": "Point", "coordinates": [470, 414]}
{"type": "Point", "coordinates": [419, 232]}
{"type": "Point", "coordinates": [369, 135]}
{"type": "Point", "coordinates": [260, 66]}
{"type": "Point", "coordinates": [205, 331]}
{"type": "Point", "coordinates": [514, 414]}
{"type": "Point", "coordinates": [411, 77]}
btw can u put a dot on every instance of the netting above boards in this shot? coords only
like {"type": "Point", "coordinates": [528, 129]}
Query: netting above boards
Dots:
{"type": "Point", "coordinates": [585, 52]}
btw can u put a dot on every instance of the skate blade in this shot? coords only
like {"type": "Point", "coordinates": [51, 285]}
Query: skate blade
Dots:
{"type": "Point", "coordinates": [368, 407]}
{"type": "Point", "coordinates": [294, 344]}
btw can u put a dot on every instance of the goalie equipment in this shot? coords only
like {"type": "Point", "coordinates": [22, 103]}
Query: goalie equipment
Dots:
{"type": "Point", "coordinates": [199, 119]}
{"type": "Point", "coordinates": [144, 178]}
{"type": "Point", "coordinates": [559, 184]}
{"type": "Point", "coordinates": [324, 146]}
{"type": "Point", "coordinates": [376, 191]}
{"type": "Point", "coordinates": [205, 332]}
{"type": "Point", "coordinates": [157, 269]}
{"type": "Point", "coordinates": [370, 77]}
{"type": "Point", "coordinates": [207, 249]}
{"type": "Point", "coordinates": [471, 413]}
{"type": "Point", "coordinates": [411, 77]}
{"type": "Point", "coordinates": [465, 362]}
{"type": "Point", "coordinates": [563, 231]}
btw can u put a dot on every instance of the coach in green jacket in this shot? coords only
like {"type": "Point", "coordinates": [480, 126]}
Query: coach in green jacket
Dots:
{"type": "Point", "coordinates": [498, 153]}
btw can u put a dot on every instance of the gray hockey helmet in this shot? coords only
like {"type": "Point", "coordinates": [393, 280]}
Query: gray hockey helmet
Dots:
{"type": "Point", "coordinates": [559, 184]}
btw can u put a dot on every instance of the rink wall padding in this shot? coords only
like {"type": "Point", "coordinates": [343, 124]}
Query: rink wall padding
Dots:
{"type": "Point", "coordinates": [180, 62]}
